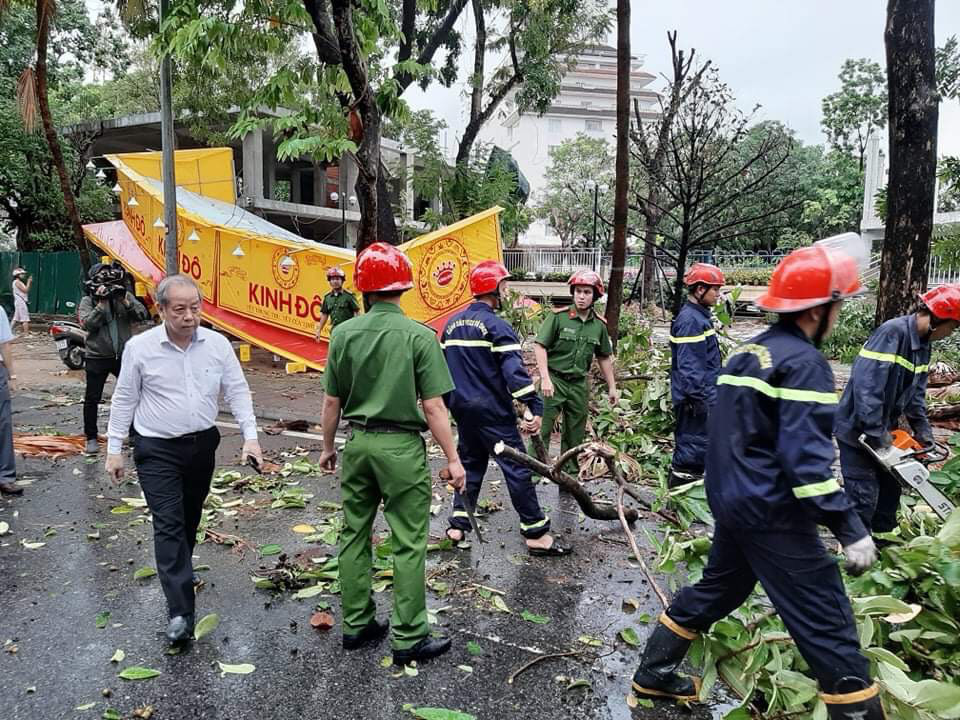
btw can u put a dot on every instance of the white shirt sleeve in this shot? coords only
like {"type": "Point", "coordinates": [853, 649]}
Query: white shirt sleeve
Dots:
{"type": "Point", "coordinates": [6, 335]}
{"type": "Point", "coordinates": [126, 397]}
{"type": "Point", "coordinates": [237, 393]}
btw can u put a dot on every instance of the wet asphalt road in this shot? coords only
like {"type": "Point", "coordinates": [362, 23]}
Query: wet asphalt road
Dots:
{"type": "Point", "coordinates": [51, 595]}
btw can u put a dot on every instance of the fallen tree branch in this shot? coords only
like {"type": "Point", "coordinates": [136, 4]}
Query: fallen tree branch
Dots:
{"type": "Point", "coordinates": [612, 464]}
{"type": "Point", "coordinates": [528, 665]}
{"type": "Point", "coordinates": [583, 498]}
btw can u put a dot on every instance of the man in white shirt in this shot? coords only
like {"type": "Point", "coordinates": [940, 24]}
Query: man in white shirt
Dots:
{"type": "Point", "coordinates": [8, 466]}
{"type": "Point", "coordinates": [170, 381]}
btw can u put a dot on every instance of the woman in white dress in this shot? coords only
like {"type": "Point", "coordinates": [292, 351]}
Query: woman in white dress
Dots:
{"type": "Point", "coordinates": [21, 287]}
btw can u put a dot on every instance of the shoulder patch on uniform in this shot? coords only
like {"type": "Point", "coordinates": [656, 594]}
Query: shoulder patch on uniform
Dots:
{"type": "Point", "coordinates": [761, 352]}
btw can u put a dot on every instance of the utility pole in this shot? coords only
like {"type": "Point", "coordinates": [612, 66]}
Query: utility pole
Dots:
{"type": "Point", "coordinates": [168, 140]}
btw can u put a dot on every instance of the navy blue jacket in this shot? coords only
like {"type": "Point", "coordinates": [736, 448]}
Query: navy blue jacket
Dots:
{"type": "Point", "coordinates": [694, 356]}
{"type": "Point", "coordinates": [770, 453]}
{"type": "Point", "coordinates": [888, 379]}
{"type": "Point", "coordinates": [483, 353]}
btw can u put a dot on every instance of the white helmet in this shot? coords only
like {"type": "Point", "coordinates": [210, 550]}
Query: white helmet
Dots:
{"type": "Point", "coordinates": [17, 272]}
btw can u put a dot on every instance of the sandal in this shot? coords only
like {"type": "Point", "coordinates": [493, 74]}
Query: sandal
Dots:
{"type": "Point", "coordinates": [555, 550]}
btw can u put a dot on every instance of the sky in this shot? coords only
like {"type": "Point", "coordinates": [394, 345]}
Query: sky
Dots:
{"type": "Point", "coordinates": [783, 54]}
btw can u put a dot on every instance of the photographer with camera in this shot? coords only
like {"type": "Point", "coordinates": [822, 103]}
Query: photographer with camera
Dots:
{"type": "Point", "coordinates": [106, 312]}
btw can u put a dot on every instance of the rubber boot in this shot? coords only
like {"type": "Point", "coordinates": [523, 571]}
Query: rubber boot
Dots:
{"type": "Point", "coordinates": [657, 675]}
{"type": "Point", "coordinates": [679, 478]}
{"type": "Point", "coordinates": [863, 704]}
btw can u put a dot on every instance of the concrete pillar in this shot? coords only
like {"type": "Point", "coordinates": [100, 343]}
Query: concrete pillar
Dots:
{"type": "Point", "coordinates": [295, 186]}
{"type": "Point", "coordinates": [409, 165]}
{"type": "Point", "coordinates": [269, 166]}
{"type": "Point", "coordinates": [319, 186]}
{"type": "Point", "coordinates": [253, 164]}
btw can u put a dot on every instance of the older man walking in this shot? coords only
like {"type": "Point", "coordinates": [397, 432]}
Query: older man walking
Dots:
{"type": "Point", "coordinates": [170, 381]}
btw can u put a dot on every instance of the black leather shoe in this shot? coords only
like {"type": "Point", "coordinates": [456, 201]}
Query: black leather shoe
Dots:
{"type": "Point", "coordinates": [372, 633]}
{"type": "Point", "coordinates": [10, 489]}
{"type": "Point", "coordinates": [424, 650]}
{"type": "Point", "coordinates": [180, 629]}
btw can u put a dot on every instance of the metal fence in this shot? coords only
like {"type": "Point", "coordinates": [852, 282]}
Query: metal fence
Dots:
{"type": "Point", "coordinates": [543, 262]}
{"type": "Point", "coordinates": [57, 281]}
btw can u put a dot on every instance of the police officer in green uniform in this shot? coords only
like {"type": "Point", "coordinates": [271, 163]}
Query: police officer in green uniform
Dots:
{"type": "Point", "coordinates": [565, 346]}
{"type": "Point", "coordinates": [378, 366]}
{"type": "Point", "coordinates": [338, 304]}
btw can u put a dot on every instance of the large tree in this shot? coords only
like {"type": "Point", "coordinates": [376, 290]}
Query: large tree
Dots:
{"type": "Point", "coordinates": [622, 180]}
{"type": "Point", "coordinates": [716, 166]}
{"type": "Point", "coordinates": [859, 108]}
{"type": "Point", "coordinates": [541, 41]}
{"type": "Point", "coordinates": [913, 115]}
{"type": "Point", "coordinates": [650, 145]}
{"type": "Point", "coordinates": [577, 169]}
{"type": "Point", "coordinates": [33, 99]}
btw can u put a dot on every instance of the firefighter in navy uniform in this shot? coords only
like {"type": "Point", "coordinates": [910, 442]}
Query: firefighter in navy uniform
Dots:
{"type": "Point", "coordinates": [769, 484]}
{"type": "Point", "coordinates": [694, 366]}
{"type": "Point", "coordinates": [483, 354]}
{"type": "Point", "coordinates": [889, 379]}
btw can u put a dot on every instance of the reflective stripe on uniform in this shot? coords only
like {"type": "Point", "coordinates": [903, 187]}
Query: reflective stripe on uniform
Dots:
{"type": "Point", "coordinates": [810, 490]}
{"type": "Point", "coordinates": [534, 526]}
{"type": "Point", "coordinates": [693, 338]}
{"type": "Point", "coordinates": [891, 358]}
{"type": "Point", "coordinates": [524, 391]}
{"type": "Point", "coordinates": [779, 393]}
{"type": "Point", "coordinates": [467, 343]}
{"type": "Point", "coordinates": [461, 514]}
{"type": "Point", "coordinates": [506, 348]}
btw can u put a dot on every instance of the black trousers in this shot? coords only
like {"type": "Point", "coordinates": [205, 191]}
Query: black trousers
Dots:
{"type": "Point", "coordinates": [98, 370]}
{"type": "Point", "coordinates": [175, 478]}
{"type": "Point", "coordinates": [874, 491]}
{"type": "Point", "coordinates": [475, 447]}
{"type": "Point", "coordinates": [690, 438]}
{"type": "Point", "coordinates": [802, 581]}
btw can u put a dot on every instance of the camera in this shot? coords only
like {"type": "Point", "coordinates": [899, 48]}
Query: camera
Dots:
{"type": "Point", "coordinates": [107, 281]}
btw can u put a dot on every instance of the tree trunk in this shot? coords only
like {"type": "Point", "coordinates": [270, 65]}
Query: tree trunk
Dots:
{"type": "Point", "coordinates": [615, 290]}
{"type": "Point", "coordinates": [368, 185]}
{"type": "Point", "coordinates": [44, 15]}
{"type": "Point", "coordinates": [913, 114]}
{"type": "Point", "coordinates": [676, 299]}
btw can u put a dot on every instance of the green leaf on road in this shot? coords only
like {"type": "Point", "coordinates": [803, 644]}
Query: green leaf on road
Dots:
{"type": "Point", "coordinates": [534, 618]}
{"type": "Point", "coordinates": [111, 714]}
{"type": "Point", "coordinates": [590, 640]}
{"type": "Point", "coordinates": [629, 636]}
{"type": "Point", "coordinates": [144, 573]}
{"type": "Point", "coordinates": [135, 672]}
{"type": "Point", "coordinates": [207, 624]}
{"type": "Point", "coordinates": [499, 604]}
{"type": "Point", "coordinates": [271, 549]}
{"type": "Point", "coordinates": [241, 669]}
{"type": "Point", "coordinates": [474, 648]}
{"type": "Point", "coordinates": [85, 706]}
{"type": "Point", "coordinates": [102, 619]}
{"type": "Point", "coordinates": [118, 656]}
{"type": "Point", "coordinates": [428, 713]}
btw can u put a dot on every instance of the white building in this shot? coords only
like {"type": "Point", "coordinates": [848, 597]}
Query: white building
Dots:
{"type": "Point", "coordinates": [587, 103]}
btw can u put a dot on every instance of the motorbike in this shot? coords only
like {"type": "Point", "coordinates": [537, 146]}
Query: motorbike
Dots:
{"type": "Point", "coordinates": [71, 340]}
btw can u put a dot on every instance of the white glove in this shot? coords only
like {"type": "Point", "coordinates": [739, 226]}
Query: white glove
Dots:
{"type": "Point", "coordinates": [860, 555]}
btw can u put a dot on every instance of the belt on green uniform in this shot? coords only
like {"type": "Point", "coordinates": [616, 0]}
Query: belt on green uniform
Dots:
{"type": "Point", "coordinates": [383, 427]}
{"type": "Point", "coordinates": [569, 377]}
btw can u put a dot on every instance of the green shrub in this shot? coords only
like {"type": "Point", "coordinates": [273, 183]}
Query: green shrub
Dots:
{"type": "Point", "coordinates": [748, 276]}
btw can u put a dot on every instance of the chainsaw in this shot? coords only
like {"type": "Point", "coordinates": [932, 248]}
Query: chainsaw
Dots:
{"type": "Point", "coordinates": [906, 460]}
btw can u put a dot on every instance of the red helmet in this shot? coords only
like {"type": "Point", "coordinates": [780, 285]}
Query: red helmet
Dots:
{"type": "Point", "coordinates": [382, 268]}
{"type": "Point", "coordinates": [703, 273]}
{"type": "Point", "coordinates": [336, 272]}
{"type": "Point", "coordinates": [486, 277]}
{"type": "Point", "coordinates": [943, 302]}
{"type": "Point", "coordinates": [588, 278]}
{"type": "Point", "coordinates": [808, 277]}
